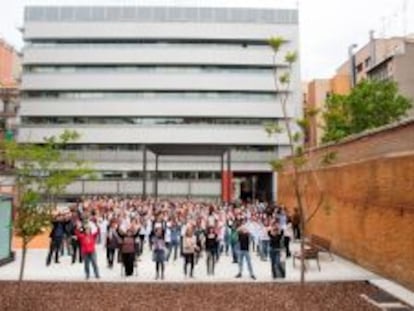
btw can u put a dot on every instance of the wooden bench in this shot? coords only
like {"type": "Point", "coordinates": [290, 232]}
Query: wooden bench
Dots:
{"type": "Point", "coordinates": [310, 253]}
{"type": "Point", "coordinates": [322, 244]}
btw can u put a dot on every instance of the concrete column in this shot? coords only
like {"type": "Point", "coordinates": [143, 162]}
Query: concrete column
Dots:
{"type": "Point", "coordinates": [144, 172]}
{"type": "Point", "coordinates": [221, 176]}
{"type": "Point", "coordinates": [274, 186]}
{"type": "Point", "coordinates": [229, 179]}
{"type": "Point", "coordinates": [156, 178]}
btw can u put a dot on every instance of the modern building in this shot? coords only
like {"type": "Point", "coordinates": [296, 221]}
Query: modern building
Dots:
{"type": "Point", "coordinates": [316, 93]}
{"type": "Point", "coordinates": [10, 65]}
{"type": "Point", "coordinates": [181, 91]}
{"type": "Point", "coordinates": [10, 71]}
{"type": "Point", "coordinates": [382, 58]}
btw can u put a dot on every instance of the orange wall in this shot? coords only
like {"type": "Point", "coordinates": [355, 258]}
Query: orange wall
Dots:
{"type": "Point", "coordinates": [7, 58]}
{"type": "Point", "coordinates": [340, 84]}
{"type": "Point", "coordinates": [368, 201]}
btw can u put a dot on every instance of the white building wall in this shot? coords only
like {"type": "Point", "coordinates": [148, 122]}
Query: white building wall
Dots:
{"type": "Point", "coordinates": [149, 81]}
{"type": "Point", "coordinates": [221, 135]}
{"type": "Point", "coordinates": [127, 30]}
{"type": "Point", "coordinates": [128, 54]}
{"type": "Point", "coordinates": [122, 24]}
{"type": "Point", "coordinates": [154, 108]}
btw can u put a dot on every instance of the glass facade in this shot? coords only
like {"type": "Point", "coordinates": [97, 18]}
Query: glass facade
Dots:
{"type": "Point", "coordinates": [164, 175]}
{"type": "Point", "coordinates": [185, 95]}
{"type": "Point", "coordinates": [151, 69]}
{"type": "Point", "coordinates": [143, 121]}
{"type": "Point", "coordinates": [137, 147]}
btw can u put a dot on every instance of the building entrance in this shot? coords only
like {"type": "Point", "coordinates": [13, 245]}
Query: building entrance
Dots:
{"type": "Point", "coordinates": [250, 186]}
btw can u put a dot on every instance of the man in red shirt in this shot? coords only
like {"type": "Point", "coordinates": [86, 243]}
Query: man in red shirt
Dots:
{"type": "Point", "coordinates": [87, 241]}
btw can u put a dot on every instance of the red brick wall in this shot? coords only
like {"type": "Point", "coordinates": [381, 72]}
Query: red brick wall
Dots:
{"type": "Point", "coordinates": [368, 209]}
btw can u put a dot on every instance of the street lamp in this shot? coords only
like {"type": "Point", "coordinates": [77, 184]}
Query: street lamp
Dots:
{"type": "Point", "coordinates": [352, 64]}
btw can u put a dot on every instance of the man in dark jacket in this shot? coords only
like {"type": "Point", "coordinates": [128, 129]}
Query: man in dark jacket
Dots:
{"type": "Point", "coordinates": [56, 238]}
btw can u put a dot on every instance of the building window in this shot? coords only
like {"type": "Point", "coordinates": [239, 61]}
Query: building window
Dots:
{"type": "Point", "coordinates": [134, 175]}
{"type": "Point", "coordinates": [111, 175]}
{"type": "Point", "coordinates": [360, 67]}
{"type": "Point", "coordinates": [184, 175]}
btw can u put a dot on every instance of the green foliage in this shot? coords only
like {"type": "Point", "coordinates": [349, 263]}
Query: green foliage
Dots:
{"type": "Point", "coordinates": [303, 124]}
{"type": "Point", "coordinates": [371, 104]}
{"type": "Point", "coordinates": [284, 78]}
{"type": "Point", "coordinates": [297, 137]}
{"type": "Point", "coordinates": [312, 112]}
{"type": "Point", "coordinates": [299, 161]}
{"type": "Point", "coordinates": [276, 43]}
{"type": "Point", "coordinates": [277, 165]}
{"type": "Point", "coordinates": [272, 128]}
{"type": "Point", "coordinates": [329, 158]}
{"type": "Point", "coordinates": [42, 173]}
{"type": "Point", "coordinates": [291, 57]}
{"type": "Point", "coordinates": [32, 218]}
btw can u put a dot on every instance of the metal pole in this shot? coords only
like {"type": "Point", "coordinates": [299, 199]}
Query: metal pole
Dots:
{"type": "Point", "coordinates": [156, 178]}
{"type": "Point", "coordinates": [221, 177]}
{"type": "Point", "coordinates": [352, 64]}
{"type": "Point", "coordinates": [253, 189]}
{"type": "Point", "coordinates": [144, 172]}
{"type": "Point", "coordinates": [229, 175]}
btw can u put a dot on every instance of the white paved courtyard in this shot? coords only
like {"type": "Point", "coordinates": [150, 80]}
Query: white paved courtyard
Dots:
{"type": "Point", "coordinates": [331, 270]}
{"type": "Point", "coordinates": [337, 270]}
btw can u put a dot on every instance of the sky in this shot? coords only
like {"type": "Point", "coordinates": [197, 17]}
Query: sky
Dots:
{"type": "Point", "coordinates": [327, 27]}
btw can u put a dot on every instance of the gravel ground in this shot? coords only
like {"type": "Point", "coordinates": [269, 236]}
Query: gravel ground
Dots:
{"type": "Point", "coordinates": [45, 296]}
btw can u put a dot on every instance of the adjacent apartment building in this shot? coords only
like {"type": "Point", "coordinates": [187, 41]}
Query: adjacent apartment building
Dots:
{"type": "Point", "coordinates": [10, 71]}
{"type": "Point", "coordinates": [389, 58]}
{"type": "Point", "coordinates": [181, 91]}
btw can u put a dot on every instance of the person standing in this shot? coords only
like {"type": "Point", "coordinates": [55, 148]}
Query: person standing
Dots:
{"type": "Point", "coordinates": [76, 249]}
{"type": "Point", "coordinates": [56, 237]}
{"type": "Point", "coordinates": [288, 236]}
{"type": "Point", "coordinates": [234, 241]}
{"type": "Point", "coordinates": [142, 233]}
{"type": "Point", "coordinates": [244, 245]}
{"type": "Point", "coordinates": [264, 241]}
{"type": "Point", "coordinates": [296, 224]}
{"type": "Point", "coordinates": [211, 246]}
{"type": "Point", "coordinates": [158, 254]}
{"type": "Point", "coordinates": [276, 243]}
{"type": "Point", "coordinates": [128, 250]}
{"type": "Point", "coordinates": [87, 241]}
{"type": "Point", "coordinates": [111, 243]}
{"type": "Point", "coordinates": [175, 232]}
{"type": "Point", "coordinates": [189, 249]}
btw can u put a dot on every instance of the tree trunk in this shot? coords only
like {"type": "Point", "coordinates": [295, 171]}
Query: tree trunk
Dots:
{"type": "Point", "coordinates": [23, 261]}
{"type": "Point", "coordinates": [19, 294]}
{"type": "Point", "coordinates": [302, 238]}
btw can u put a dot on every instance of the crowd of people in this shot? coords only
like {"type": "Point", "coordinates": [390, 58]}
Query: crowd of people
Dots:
{"type": "Point", "coordinates": [170, 230]}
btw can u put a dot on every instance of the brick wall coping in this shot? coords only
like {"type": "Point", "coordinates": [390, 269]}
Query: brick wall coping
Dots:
{"type": "Point", "coordinates": [368, 133]}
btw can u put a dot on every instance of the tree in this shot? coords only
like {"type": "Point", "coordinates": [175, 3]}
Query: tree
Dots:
{"type": "Point", "coordinates": [42, 173]}
{"type": "Point", "coordinates": [371, 104]}
{"type": "Point", "coordinates": [296, 131]}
